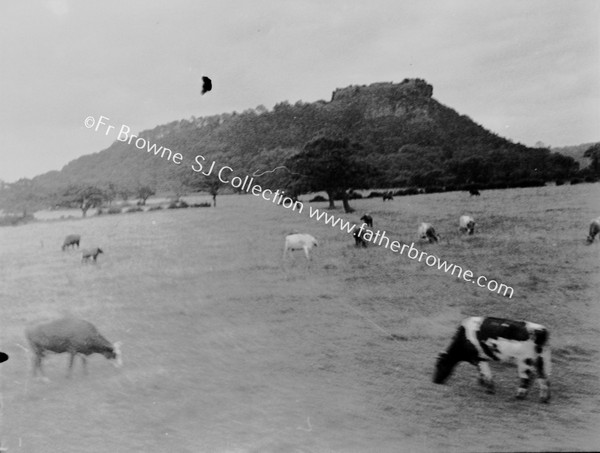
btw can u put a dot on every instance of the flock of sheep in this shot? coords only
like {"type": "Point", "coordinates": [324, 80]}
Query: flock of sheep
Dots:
{"type": "Point", "coordinates": [305, 242]}
{"type": "Point", "coordinates": [79, 337]}
{"type": "Point", "coordinates": [73, 240]}
{"type": "Point", "coordinates": [69, 334]}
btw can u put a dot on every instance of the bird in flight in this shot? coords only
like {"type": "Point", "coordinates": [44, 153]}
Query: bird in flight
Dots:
{"type": "Point", "coordinates": [206, 84]}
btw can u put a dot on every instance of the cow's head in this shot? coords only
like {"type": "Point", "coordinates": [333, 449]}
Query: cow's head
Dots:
{"type": "Point", "coordinates": [100, 250]}
{"type": "Point", "coordinates": [115, 354]}
{"type": "Point", "coordinates": [443, 367]}
{"type": "Point", "coordinates": [590, 239]}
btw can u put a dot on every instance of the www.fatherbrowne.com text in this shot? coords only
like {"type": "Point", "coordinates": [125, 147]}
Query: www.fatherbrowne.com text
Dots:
{"type": "Point", "coordinates": [246, 184]}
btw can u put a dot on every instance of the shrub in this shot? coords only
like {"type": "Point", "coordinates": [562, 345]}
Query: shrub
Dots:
{"type": "Point", "coordinates": [559, 182]}
{"type": "Point", "coordinates": [178, 205]}
{"type": "Point", "coordinates": [317, 199]}
{"type": "Point", "coordinates": [575, 181]}
{"type": "Point", "coordinates": [134, 209]}
{"type": "Point", "coordinates": [375, 194]}
{"type": "Point", "coordinates": [155, 208]}
{"type": "Point", "coordinates": [200, 205]}
{"type": "Point", "coordinates": [433, 189]}
{"type": "Point", "coordinates": [113, 210]}
{"type": "Point", "coordinates": [13, 220]}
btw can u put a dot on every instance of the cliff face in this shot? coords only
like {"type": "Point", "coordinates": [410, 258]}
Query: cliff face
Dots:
{"type": "Point", "coordinates": [411, 96]}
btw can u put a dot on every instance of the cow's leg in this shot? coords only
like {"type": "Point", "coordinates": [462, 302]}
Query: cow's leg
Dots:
{"type": "Point", "coordinates": [525, 370]}
{"type": "Point", "coordinates": [71, 360]}
{"type": "Point", "coordinates": [37, 364]}
{"type": "Point", "coordinates": [306, 252]}
{"type": "Point", "coordinates": [84, 363]}
{"type": "Point", "coordinates": [543, 372]}
{"type": "Point", "coordinates": [485, 376]}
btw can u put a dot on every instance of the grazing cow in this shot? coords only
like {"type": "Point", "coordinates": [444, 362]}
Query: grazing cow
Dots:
{"type": "Point", "coordinates": [387, 196]}
{"type": "Point", "coordinates": [474, 191]}
{"type": "Point", "coordinates": [466, 224]}
{"type": "Point", "coordinates": [298, 241]}
{"type": "Point", "coordinates": [72, 335]}
{"type": "Point", "coordinates": [358, 238]}
{"type": "Point", "coordinates": [71, 240]}
{"type": "Point", "coordinates": [90, 253]}
{"type": "Point", "coordinates": [368, 220]}
{"type": "Point", "coordinates": [481, 339]}
{"type": "Point", "coordinates": [426, 231]}
{"type": "Point", "coordinates": [594, 230]}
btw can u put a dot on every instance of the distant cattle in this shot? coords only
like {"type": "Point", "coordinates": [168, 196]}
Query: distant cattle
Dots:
{"type": "Point", "coordinates": [466, 224]}
{"type": "Point", "coordinates": [368, 220]}
{"type": "Point", "coordinates": [474, 191]}
{"type": "Point", "coordinates": [71, 240]}
{"type": "Point", "coordinates": [72, 335]}
{"type": "Point", "coordinates": [426, 231]}
{"type": "Point", "coordinates": [594, 230]}
{"type": "Point", "coordinates": [298, 241]}
{"type": "Point", "coordinates": [359, 239]}
{"type": "Point", "coordinates": [481, 339]}
{"type": "Point", "coordinates": [90, 253]}
{"type": "Point", "coordinates": [387, 196]}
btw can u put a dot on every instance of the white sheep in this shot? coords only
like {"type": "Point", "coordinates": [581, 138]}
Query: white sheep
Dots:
{"type": "Point", "coordinates": [298, 241]}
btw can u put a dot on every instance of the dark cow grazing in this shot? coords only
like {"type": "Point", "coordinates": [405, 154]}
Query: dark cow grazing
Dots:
{"type": "Point", "coordinates": [71, 240]}
{"type": "Point", "coordinates": [474, 191]}
{"type": "Point", "coordinates": [481, 339]}
{"type": "Point", "coordinates": [594, 230]}
{"type": "Point", "coordinates": [387, 196]}
{"type": "Point", "coordinates": [90, 253]}
{"type": "Point", "coordinates": [358, 238]}
{"type": "Point", "coordinates": [426, 231]}
{"type": "Point", "coordinates": [368, 220]}
{"type": "Point", "coordinates": [71, 335]}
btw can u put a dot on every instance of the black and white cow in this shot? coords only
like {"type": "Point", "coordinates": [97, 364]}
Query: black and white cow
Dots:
{"type": "Point", "coordinates": [426, 231]}
{"type": "Point", "coordinates": [466, 224]}
{"type": "Point", "coordinates": [481, 339]}
{"type": "Point", "coordinates": [368, 220]}
{"type": "Point", "coordinates": [359, 238]}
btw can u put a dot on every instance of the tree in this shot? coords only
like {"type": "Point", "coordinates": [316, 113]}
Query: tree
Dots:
{"type": "Point", "coordinates": [331, 165]}
{"type": "Point", "coordinates": [593, 153]}
{"type": "Point", "coordinates": [143, 193]}
{"type": "Point", "coordinates": [83, 197]}
{"type": "Point", "coordinates": [21, 196]}
{"type": "Point", "coordinates": [210, 184]}
{"type": "Point", "coordinates": [110, 192]}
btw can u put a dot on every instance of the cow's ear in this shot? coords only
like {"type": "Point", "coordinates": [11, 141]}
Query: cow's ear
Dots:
{"type": "Point", "coordinates": [442, 355]}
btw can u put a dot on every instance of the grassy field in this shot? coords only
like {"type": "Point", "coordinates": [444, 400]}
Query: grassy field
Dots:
{"type": "Point", "coordinates": [229, 349]}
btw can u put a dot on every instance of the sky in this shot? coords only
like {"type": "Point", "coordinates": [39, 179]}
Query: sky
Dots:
{"type": "Point", "coordinates": [528, 70]}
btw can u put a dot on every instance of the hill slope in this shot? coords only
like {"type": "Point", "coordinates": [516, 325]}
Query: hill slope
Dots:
{"type": "Point", "coordinates": [404, 132]}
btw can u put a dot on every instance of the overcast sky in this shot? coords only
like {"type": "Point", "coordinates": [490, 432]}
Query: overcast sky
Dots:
{"type": "Point", "coordinates": [528, 70]}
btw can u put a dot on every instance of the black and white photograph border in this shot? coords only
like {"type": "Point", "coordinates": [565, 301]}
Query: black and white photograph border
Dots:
{"type": "Point", "coordinates": [300, 226]}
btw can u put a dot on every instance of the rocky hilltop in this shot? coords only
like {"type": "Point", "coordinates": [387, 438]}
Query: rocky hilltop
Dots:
{"type": "Point", "coordinates": [387, 98]}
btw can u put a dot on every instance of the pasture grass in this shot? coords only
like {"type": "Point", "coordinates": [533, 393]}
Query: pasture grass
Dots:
{"type": "Point", "coordinates": [227, 348]}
